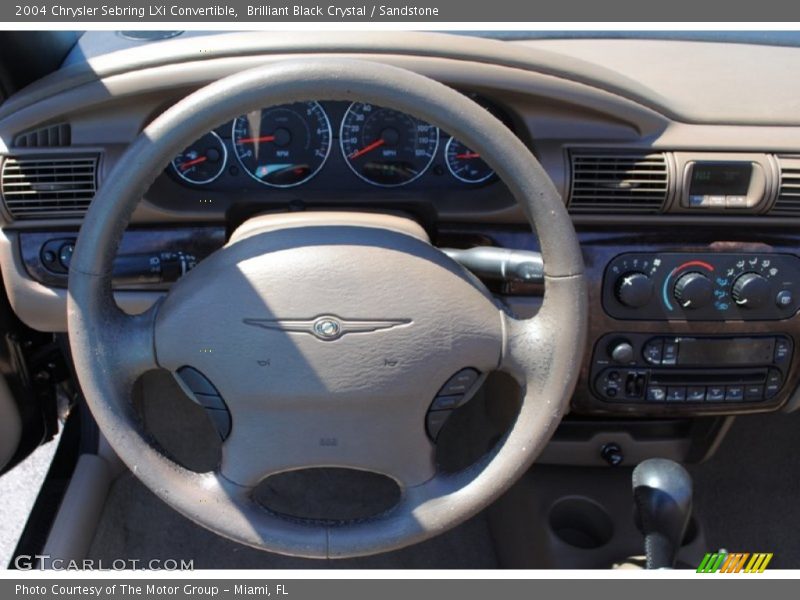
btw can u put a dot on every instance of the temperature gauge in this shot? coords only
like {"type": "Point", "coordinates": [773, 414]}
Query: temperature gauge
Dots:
{"type": "Point", "coordinates": [203, 161]}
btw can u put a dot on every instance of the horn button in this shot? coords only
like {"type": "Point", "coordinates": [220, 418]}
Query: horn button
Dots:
{"type": "Point", "coordinates": [304, 316]}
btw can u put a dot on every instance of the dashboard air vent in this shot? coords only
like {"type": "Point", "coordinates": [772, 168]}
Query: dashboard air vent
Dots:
{"type": "Point", "coordinates": [53, 136]}
{"type": "Point", "coordinates": [55, 186]}
{"type": "Point", "coordinates": [613, 183]}
{"type": "Point", "coordinates": [788, 202]}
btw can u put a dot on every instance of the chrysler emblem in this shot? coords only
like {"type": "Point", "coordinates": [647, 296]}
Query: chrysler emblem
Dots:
{"type": "Point", "coordinates": [327, 327]}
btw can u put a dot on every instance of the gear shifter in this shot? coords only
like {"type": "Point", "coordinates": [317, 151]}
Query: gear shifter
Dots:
{"type": "Point", "coordinates": [662, 494]}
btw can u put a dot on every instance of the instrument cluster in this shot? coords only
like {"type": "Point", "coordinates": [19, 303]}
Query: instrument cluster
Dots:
{"type": "Point", "coordinates": [288, 145]}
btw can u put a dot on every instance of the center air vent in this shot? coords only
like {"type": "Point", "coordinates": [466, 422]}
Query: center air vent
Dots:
{"type": "Point", "coordinates": [56, 186]}
{"type": "Point", "coordinates": [788, 202]}
{"type": "Point", "coordinates": [613, 183]}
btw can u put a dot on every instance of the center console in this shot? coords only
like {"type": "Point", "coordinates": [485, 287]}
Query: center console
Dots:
{"type": "Point", "coordinates": [701, 332]}
{"type": "Point", "coordinates": [687, 372]}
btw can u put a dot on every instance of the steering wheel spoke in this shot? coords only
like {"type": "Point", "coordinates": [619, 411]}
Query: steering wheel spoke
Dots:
{"type": "Point", "coordinates": [124, 342]}
{"type": "Point", "coordinates": [534, 352]}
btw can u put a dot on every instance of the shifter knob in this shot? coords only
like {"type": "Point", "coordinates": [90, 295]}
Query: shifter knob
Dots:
{"type": "Point", "coordinates": [662, 494]}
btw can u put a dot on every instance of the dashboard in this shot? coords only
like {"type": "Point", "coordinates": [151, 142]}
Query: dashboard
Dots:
{"type": "Point", "coordinates": [687, 216]}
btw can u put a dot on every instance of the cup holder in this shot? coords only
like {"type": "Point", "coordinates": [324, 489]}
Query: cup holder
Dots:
{"type": "Point", "coordinates": [581, 523]}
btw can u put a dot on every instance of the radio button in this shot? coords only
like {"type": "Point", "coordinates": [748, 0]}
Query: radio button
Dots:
{"type": "Point", "coordinates": [676, 394]}
{"type": "Point", "coordinates": [656, 393]}
{"type": "Point", "coordinates": [774, 382]}
{"type": "Point", "coordinates": [734, 393]}
{"type": "Point", "coordinates": [653, 352]}
{"type": "Point", "coordinates": [715, 393]}
{"type": "Point", "coordinates": [754, 393]}
{"type": "Point", "coordinates": [782, 350]}
{"type": "Point", "coordinates": [622, 353]}
{"type": "Point", "coordinates": [669, 355]}
{"type": "Point", "coordinates": [695, 394]}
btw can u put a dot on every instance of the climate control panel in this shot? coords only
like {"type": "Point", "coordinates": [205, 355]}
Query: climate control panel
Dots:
{"type": "Point", "coordinates": [702, 287]}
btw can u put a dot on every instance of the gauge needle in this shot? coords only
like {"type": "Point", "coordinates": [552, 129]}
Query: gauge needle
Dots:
{"type": "Point", "coordinates": [191, 163]}
{"type": "Point", "coordinates": [467, 155]}
{"type": "Point", "coordinates": [263, 138]}
{"type": "Point", "coordinates": [376, 144]}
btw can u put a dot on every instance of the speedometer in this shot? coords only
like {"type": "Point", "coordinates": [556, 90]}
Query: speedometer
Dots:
{"type": "Point", "coordinates": [285, 145]}
{"type": "Point", "coordinates": [386, 147]}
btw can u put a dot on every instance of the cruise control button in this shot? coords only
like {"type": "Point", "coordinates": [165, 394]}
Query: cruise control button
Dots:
{"type": "Point", "coordinates": [197, 382]}
{"type": "Point", "coordinates": [676, 394]}
{"type": "Point", "coordinates": [754, 393]}
{"type": "Point", "coordinates": [460, 383]}
{"type": "Point", "coordinates": [447, 402]}
{"type": "Point", "coordinates": [210, 401]}
{"type": "Point", "coordinates": [734, 393]}
{"type": "Point", "coordinates": [435, 421]}
{"type": "Point", "coordinates": [695, 394]}
{"type": "Point", "coordinates": [715, 393]}
{"type": "Point", "coordinates": [221, 420]}
{"type": "Point", "coordinates": [656, 393]}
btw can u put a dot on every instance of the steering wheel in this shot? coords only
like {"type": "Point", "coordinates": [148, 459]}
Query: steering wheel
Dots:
{"type": "Point", "coordinates": [324, 343]}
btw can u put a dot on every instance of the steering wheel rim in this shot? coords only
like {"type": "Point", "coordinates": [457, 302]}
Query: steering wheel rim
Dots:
{"type": "Point", "coordinates": [543, 353]}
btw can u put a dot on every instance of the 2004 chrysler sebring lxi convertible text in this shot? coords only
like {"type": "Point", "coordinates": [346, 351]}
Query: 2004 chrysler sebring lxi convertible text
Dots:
{"type": "Point", "coordinates": [403, 300]}
{"type": "Point", "coordinates": [221, 11]}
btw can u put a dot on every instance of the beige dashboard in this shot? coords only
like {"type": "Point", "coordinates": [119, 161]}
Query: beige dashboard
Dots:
{"type": "Point", "coordinates": [679, 99]}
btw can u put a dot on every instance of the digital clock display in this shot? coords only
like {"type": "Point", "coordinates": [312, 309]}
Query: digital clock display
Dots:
{"type": "Point", "coordinates": [720, 178]}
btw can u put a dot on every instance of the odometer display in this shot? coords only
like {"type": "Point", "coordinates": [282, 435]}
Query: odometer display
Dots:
{"type": "Point", "coordinates": [285, 145]}
{"type": "Point", "coordinates": [386, 147]}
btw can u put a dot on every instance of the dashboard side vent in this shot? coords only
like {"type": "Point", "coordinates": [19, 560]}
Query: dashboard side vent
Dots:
{"type": "Point", "coordinates": [56, 186]}
{"type": "Point", "coordinates": [614, 183]}
{"type": "Point", "coordinates": [52, 136]}
{"type": "Point", "coordinates": [788, 202]}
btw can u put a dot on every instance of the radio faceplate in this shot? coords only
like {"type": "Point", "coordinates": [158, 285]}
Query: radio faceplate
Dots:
{"type": "Point", "coordinates": [713, 286]}
{"type": "Point", "coordinates": [690, 371]}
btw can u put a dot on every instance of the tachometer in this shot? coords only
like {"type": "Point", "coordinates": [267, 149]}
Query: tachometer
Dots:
{"type": "Point", "coordinates": [203, 161]}
{"type": "Point", "coordinates": [285, 145]}
{"type": "Point", "coordinates": [465, 164]}
{"type": "Point", "coordinates": [387, 147]}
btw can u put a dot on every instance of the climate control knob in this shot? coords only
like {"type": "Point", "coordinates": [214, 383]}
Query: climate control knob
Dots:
{"type": "Point", "coordinates": [751, 290]}
{"type": "Point", "coordinates": [634, 289]}
{"type": "Point", "coordinates": [693, 290]}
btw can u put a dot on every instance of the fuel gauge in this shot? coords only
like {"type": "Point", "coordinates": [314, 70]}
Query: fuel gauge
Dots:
{"type": "Point", "coordinates": [465, 164]}
{"type": "Point", "coordinates": [203, 161]}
